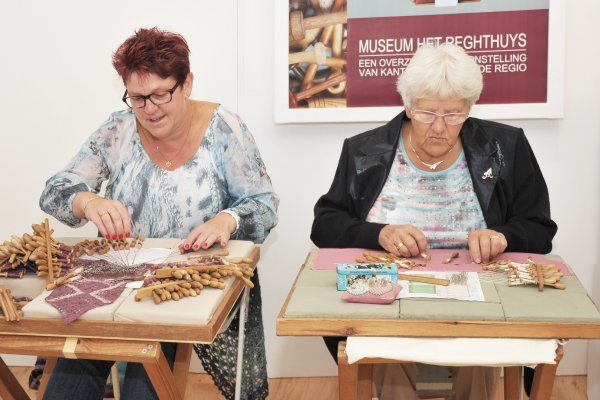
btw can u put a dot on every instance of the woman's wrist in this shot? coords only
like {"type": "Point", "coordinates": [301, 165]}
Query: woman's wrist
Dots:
{"type": "Point", "coordinates": [86, 202]}
{"type": "Point", "coordinates": [235, 216]}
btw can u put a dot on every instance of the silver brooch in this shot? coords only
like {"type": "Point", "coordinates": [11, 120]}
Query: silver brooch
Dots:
{"type": "Point", "coordinates": [488, 174]}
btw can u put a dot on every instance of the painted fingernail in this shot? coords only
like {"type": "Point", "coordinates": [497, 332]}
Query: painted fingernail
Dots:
{"type": "Point", "coordinates": [205, 245]}
{"type": "Point", "coordinates": [121, 236]}
{"type": "Point", "coordinates": [128, 234]}
{"type": "Point", "coordinates": [186, 246]}
{"type": "Point", "coordinates": [114, 237]}
{"type": "Point", "coordinates": [196, 247]}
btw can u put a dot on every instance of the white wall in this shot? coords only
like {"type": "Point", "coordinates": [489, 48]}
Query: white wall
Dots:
{"type": "Point", "coordinates": [59, 85]}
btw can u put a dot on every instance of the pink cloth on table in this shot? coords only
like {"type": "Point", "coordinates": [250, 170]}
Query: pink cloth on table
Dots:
{"type": "Point", "coordinates": [370, 298]}
{"type": "Point", "coordinates": [76, 298]}
{"type": "Point", "coordinates": [328, 258]}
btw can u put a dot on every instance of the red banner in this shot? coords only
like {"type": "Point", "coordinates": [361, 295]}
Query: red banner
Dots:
{"type": "Point", "coordinates": [510, 46]}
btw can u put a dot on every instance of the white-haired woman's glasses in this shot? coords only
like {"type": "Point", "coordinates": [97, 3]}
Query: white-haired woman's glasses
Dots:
{"type": "Point", "coordinates": [427, 117]}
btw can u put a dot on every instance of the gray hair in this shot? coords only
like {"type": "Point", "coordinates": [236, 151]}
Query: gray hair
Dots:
{"type": "Point", "coordinates": [441, 72]}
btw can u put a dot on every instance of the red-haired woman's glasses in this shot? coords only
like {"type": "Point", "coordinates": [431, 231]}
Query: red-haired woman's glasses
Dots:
{"type": "Point", "coordinates": [156, 98]}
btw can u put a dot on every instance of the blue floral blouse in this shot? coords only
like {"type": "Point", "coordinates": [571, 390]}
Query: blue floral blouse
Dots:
{"type": "Point", "coordinates": [226, 172]}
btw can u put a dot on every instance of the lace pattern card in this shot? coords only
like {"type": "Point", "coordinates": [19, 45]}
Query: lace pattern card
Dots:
{"type": "Point", "coordinates": [463, 286]}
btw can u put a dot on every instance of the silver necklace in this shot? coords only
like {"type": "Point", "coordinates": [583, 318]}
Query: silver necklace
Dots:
{"type": "Point", "coordinates": [431, 166]}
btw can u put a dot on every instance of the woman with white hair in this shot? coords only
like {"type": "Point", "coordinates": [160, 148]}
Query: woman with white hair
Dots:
{"type": "Point", "coordinates": [433, 177]}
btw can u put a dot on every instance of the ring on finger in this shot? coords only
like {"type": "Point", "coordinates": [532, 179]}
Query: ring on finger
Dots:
{"type": "Point", "coordinates": [399, 245]}
{"type": "Point", "coordinates": [103, 213]}
{"type": "Point", "coordinates": [494, 237]}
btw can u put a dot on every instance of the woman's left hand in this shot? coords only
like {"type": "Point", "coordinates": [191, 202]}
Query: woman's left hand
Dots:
{"type": "Point", "coordinates": [485, 244]}
{"type": "Point", "coordinates": [215, 230]}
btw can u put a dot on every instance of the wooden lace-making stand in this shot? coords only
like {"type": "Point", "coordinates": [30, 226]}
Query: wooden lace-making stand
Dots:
{"type": "Point", "coordinates": [121, 341]}
{"type": "Point", "coordinates": [300, 316]}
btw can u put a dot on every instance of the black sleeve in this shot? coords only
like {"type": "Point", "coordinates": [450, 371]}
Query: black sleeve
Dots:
{"type": "Point", "coordinates": [528, 226]}
{"type": "Point", "coordinates": [338, 221]}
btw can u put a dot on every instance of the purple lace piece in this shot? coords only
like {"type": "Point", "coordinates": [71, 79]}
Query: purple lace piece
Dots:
{"type": "Point", "coordinates": [74, 299]}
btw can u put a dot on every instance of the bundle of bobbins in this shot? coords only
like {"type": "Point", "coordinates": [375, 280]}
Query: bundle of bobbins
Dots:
{"type": "Point", "coordinates": [530, 273]}
{"type": "Point", "coordinates": [317, 48]}
{"type": "Point", "coordinates": [103, 246]}
{"type": "Point", "coordinates": [48, 255]}
{"type": "Point", "coordinates": [187, 279]}
{"type": "Point", "coordinates": [8, 306]}
{"type": "Point", "coordinates": [389, 258]}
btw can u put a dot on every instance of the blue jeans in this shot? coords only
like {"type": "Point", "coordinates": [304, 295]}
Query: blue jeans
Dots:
{"type": "Point", "coordinates": [86, 379]}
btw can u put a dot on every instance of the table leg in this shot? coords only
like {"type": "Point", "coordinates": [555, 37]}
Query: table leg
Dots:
{"type": "Point", "coordinates": [365, 381]}
{"type": "Point", "coordinates": [48, 369]}
{"type": "Point", "coordinates": [543, 378]}
{"type": "Point", "coordinates": [10, 388]}
{"type": "Point", "coordinates": [347, 375]}
{"type": "Point", "coordinates": [543, 381]}
{"type": "Point", "coordinates": [161, 377]}
{"type": "Point", "coordinates": [181, 366]}
{"type": "Point", "coordinates": [241, 334]}
{"type": "Point", "coordinates": [512, 383]}
{"type": "Point", "coordinates": [114, 379]}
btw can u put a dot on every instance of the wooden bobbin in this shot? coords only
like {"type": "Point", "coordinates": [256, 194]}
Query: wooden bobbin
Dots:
{"type": "Point", "coordinates": [309, 76]}
{"type": "Point", "coordinates": [331, 81]}
{"type": "Point", "coordinates": [317, 56]}
{"type": "Point", "coordinates": [337, 40]}
{"type": "Point", "coordinates": [326, 102]}
{"type": "Point", "coordinates": [299, 25]}
{"type": "Point", "coordinates": [293, 103]}
{"type": "Point", "coordinates": [339, 89]}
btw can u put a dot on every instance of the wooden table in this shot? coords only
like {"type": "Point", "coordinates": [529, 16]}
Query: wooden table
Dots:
{"type": "Point", "coordinates": [354, 379]}
{"type": "Point", "coordinates": [117, 341]}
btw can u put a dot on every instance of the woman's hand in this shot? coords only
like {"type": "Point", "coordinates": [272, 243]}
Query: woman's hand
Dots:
{"type": "Point", "coordinates": [403, 240]}
{"type": "Point", "coordinates": [110, 216]}
{"type": "Point", "coordinates": [485, 244]}
{"type": "Point", "coordinates": [217, 229]}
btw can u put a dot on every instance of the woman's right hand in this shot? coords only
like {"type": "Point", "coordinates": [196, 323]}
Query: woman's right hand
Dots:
{"type": "Point", "coordinates": [403, 240]}
{"type": "Point", "coordinates": [110, 216]}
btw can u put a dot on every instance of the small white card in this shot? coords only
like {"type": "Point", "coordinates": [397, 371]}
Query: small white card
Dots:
{"type": "Point", "coordinates": [446, 3]}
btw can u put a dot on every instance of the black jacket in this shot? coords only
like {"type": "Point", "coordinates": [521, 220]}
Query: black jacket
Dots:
{"type": "Point", "coordinates": [514, 199]}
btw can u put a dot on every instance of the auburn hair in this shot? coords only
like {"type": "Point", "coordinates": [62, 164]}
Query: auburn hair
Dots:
{"type": "Point", "coordinates": [153, 51]}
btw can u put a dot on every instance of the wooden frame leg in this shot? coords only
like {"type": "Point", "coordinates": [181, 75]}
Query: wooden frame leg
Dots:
{"type": "Point", "coordinates": [347, 375]}
{"type": "Point", "coordinates": [48, 369]}
{"type": "Point", "coordinates": [543, 381]}
{"type": "Point", "coordinates": [181, 366]}
{"type": "Point", "coordinates": [365, 381]}
{"type": "Point", "coordinates": [161, 377]}
{"type": "Point", "coordinates": [116, 383]}
{"type": "Point", "coordinates": [512, 383]}
{"type": "Point", "coordinates": [543, 378]}
{"type": "Point", "coordinates": [10, 388]}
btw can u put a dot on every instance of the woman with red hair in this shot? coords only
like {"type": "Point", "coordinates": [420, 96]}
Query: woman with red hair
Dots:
{"type": "Point", "coordinates": [173, 167]}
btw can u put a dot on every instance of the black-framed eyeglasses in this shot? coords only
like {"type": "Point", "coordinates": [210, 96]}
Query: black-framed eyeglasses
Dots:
{"type": "Point", "coordinates": [156, 98]}
{"type": "Point", "coordinates": [427, 117]}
